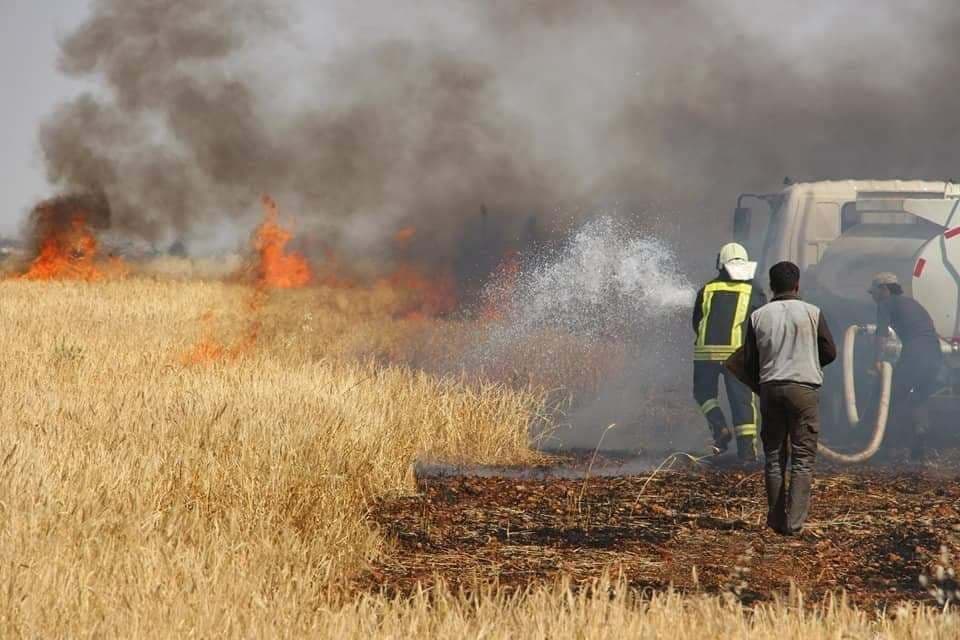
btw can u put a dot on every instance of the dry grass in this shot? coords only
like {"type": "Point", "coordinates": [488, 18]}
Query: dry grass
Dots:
{"type": "Point", "coordinates": [609, 610]}
{"type": "Point", "coordinates": [136, 492]}
{"type": "Point", "coordinates": [143, 497]}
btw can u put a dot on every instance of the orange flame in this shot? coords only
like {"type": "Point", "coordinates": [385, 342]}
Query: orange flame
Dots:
{"type": "Point", "coordinates": [210, 349]}
{"type": "Point", "coordinates": [332, 273]}
{"type": "Point", "coordinates": [206, 350]}
{"type": "Point", "coordinates": [403, 237]}
{"type": "Point", "coordinates": [278, 268]}
{"type": "Point", "coordinates": [66, 253]}
{"type": "Point", "coordinates": [430, 296]}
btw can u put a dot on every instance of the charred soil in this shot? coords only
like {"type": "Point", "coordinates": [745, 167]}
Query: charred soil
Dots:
{"type": "Point", "coordinates": [871, 533]}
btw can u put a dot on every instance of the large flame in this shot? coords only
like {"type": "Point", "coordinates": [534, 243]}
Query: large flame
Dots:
{"type": "Point", "coordinates": [66, 253]}
{"type": "Point", "coordinates": [277, 268]}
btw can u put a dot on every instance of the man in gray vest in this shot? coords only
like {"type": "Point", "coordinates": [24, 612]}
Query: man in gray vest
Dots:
{"type": "Point", "coordinates": [786, 346]}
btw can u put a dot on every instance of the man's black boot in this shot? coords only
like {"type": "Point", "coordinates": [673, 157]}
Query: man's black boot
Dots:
{"type": "Point", "coordinates": [798, 502]}
{"type": "Point", "coordinates": [920, 417]}
{"type": "Point", "coordinates": [776, 499]}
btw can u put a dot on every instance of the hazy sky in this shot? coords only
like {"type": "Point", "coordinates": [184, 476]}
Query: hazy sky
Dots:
{"type": "Point", "coordinates": [29, 32]}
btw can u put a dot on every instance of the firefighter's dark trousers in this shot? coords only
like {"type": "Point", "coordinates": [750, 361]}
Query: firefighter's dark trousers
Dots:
{"type": "Point", "coordinates": [790, 429]}
{"type": "Point", "coordinates": [743, 409]}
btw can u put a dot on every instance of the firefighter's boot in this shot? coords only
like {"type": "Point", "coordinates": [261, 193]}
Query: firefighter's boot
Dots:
{"type": "Point", "coordinates": [721, 438]}
{"type": "Point", "coordinates": [722, 435]}
{"type": "Point", "coordinates": [746, 449]}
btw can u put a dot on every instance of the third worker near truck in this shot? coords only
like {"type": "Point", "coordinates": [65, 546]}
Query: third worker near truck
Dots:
{"type": "Point", "coordinates": [916, 372]}
{"type": "Point", "coordinates": [722, 306]}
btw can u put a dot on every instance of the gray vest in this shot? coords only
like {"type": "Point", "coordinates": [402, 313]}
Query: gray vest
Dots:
{"type": "Point", "coordinates": [786, 333]}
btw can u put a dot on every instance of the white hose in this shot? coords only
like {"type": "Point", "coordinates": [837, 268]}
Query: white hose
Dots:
{"type": "Point", "coordinates": [849, 389]}
{"type": "Point", "coordinates": [850, 398]}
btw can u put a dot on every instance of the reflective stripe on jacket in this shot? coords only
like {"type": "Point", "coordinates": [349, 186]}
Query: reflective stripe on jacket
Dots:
{"type": "Point", "coordinates": [721, 308]}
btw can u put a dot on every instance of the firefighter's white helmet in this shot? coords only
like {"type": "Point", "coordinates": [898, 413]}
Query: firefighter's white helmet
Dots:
{"type": "Point", "coordinates": [730, 252]}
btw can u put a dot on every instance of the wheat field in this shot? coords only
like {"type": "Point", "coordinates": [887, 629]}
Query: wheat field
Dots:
{"type": "Point", "coordinates": [181, 457]}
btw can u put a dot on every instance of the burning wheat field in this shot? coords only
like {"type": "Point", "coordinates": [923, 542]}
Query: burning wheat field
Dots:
{"type": "Point", "coordinates": [373, 319]}
{"type": "Point", "coordinates": [294, 448]}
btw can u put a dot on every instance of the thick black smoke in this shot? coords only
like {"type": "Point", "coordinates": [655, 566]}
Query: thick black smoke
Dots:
{"type": "Point", "coordinates": [421, 115]}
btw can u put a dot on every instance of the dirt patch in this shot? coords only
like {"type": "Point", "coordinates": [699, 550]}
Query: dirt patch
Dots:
{"type": "Point", "coordinates": [871, 533]}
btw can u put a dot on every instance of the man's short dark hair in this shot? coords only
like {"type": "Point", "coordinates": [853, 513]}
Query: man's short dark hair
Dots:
{"type": "Point", "coordinates": [784, 277]}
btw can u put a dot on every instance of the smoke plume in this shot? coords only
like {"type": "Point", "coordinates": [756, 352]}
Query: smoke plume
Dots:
{"type": "Point", "coordinates": [361, 117]}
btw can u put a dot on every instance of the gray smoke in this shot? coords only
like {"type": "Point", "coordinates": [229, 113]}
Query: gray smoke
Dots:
{"type": "Point", "coordinates": [500, 125]}
{"type": "Point", "coordinates": [421, 114]}
{"type": "Point", "coordinates": [192, 127]}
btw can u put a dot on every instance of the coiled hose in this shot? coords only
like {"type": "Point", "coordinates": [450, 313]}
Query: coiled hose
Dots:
{"type": "Point", "coordinates": [850, 398]}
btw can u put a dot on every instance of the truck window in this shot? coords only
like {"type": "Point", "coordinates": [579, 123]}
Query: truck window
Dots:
{"type": "Point", "coordinates": [880, 220]}
{"type": "Point", "coordinates": [850, 217]}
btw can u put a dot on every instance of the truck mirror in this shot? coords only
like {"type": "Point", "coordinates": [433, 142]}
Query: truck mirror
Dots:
{"type": "Point", "coordinates": [741, 224]}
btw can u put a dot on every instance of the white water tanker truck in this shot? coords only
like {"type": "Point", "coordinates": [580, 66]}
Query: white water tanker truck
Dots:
{"type": "Point", "coordinates": [841, 232]}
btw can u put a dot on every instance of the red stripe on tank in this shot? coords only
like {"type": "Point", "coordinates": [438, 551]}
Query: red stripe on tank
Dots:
{"type": "Point", "coordinates": [918, 270]}
{"type": "Point", "coordinates": [949, 233]}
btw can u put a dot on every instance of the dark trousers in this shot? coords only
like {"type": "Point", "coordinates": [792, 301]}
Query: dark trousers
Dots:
{"type": "Point", "coordinates": [706, 391]}
{"type": "Point", "coordinates": [914, 381]}
{"type": "Point", "coordinates": [790, 428]}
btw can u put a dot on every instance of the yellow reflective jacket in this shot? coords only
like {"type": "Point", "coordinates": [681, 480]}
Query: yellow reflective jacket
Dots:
{"type": "Point", "coordinates": [719, 313]}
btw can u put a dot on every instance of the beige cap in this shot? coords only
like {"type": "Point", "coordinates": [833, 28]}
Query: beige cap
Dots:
{"type": "Point", "coordinates": [881, 279]}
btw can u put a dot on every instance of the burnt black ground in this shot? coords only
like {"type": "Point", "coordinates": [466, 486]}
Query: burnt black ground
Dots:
{"type": "Point", "coordinates": [872, 531]}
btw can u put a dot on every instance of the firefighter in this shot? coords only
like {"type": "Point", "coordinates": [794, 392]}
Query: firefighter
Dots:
{"type": "Point", "coordinates": [721, 308]}
{"type": "Point", "coordinates": [916, 372]}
